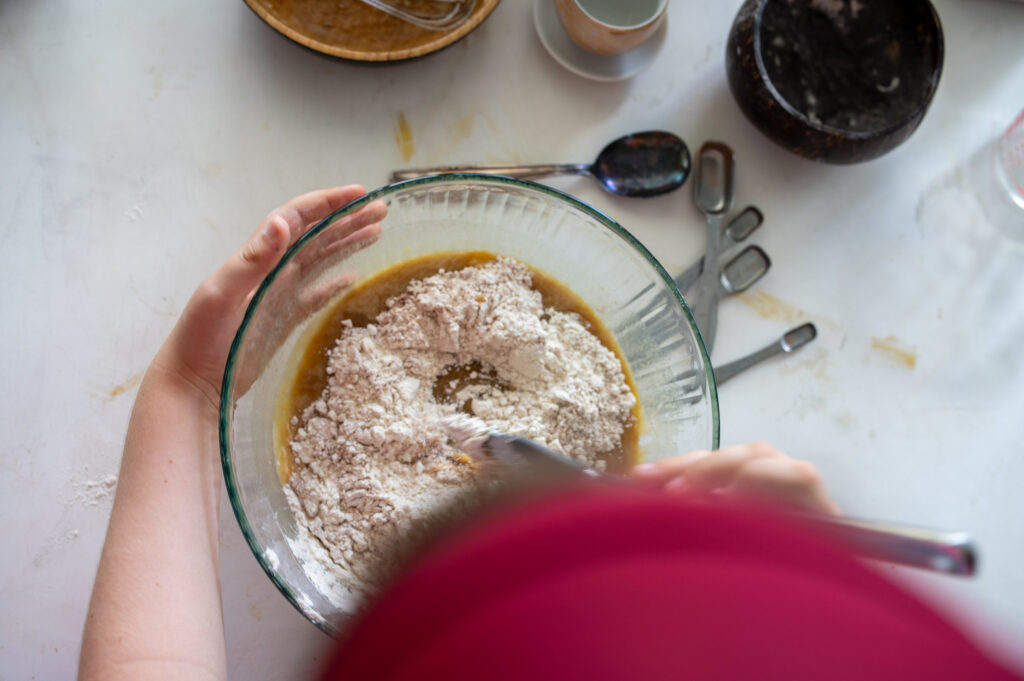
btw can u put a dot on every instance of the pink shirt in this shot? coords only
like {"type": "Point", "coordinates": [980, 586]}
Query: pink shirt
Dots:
{"type": "Point", "coordinates": [630, 584]}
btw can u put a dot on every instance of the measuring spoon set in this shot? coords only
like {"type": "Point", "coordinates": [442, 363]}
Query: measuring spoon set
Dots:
{"type": "Point", "coordinates": [709, 277]}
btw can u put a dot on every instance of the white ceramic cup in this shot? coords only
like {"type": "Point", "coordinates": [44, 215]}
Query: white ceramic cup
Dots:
{"type": "Point", "coordinates": [610, 27]}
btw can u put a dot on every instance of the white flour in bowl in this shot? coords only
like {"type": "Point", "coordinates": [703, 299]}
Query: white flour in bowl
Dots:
{"type": "Point", "coordinates": [374, 470]}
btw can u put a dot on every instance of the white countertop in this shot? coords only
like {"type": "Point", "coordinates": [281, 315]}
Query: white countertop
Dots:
{"type": "Point", "coordinates": [142, 142]}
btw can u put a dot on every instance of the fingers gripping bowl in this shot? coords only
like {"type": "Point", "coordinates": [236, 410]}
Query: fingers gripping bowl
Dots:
{"type": "Point", "coordinates": [550, 231]}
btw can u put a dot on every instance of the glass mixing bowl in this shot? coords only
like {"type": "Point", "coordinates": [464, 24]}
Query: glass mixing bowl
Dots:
{"type": "Point", "coordinates": [551, 231]}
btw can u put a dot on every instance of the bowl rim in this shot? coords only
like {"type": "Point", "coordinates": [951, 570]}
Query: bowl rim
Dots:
{"type": "Point", "coordinates": [226, 407]}
{"type": "Point", "coordinates": [917, 112]}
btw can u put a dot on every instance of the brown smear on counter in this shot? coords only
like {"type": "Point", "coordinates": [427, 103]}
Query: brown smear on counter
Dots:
{"type": "Point", "coordinates": [463, 127]}
{"type": "Point", "coordinates": [364, 302]}
{"type": "Point", "coordinates": [895, 349]}
{"type": "Point", "coordinates": [815, 363]}
{"type": "Point", "coordinates": [770, 307]}
{"type": "Point", "coordinates": [403, 137]}
{"type": "Point", "coordinates": [125, 387]}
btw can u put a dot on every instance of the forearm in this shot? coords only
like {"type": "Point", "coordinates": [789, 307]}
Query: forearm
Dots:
{"type": "Point", "coordinates": [159, 562]}
{"type": "Point", "coordinates": [155, 611]}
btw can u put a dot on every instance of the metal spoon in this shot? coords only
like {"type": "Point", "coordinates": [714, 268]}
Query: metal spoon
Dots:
{"type": "Point", "coordinates": [792, 340]}
{"type": "Point", "coordinates": [937, 550]}
{"type": "Point", "coordinates": [737, 276]}
{"type": "Point", "coordinates": [744, 270]}
{"type": "Point", "coordinates": [639, 165]}
{"type": "Point", "coordinates": [713, 195]}
{"type": "Point", "coordinates": [738, 229]}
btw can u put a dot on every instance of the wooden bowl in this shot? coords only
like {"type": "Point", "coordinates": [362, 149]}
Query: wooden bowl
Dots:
{"type": "Point", "coordinates": [352, 30]}
{"type": "Point", "coordinates": [839, 81]}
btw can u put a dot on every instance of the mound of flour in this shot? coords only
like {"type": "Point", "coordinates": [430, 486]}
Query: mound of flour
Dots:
{"type": "Point", "coordinates": [374, 468]}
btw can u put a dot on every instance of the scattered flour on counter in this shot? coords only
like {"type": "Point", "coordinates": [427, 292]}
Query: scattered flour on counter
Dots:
{"type": "Point", "coordinates": [95, 492]}
{"type": "Point", "coordinates": [374, 469]}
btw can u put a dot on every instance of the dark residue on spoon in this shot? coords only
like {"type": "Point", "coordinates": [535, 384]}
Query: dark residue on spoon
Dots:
{"type": "Point", "coordinates": [643, 164]}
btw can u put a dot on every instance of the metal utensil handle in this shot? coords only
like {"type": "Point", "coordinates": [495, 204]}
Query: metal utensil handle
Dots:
{"type": "Point", "coordinates": [941, 551]}
{"type": "Point", "coordinates": [690, 275]}
{"type": "Point", "coordinates": [727, 371]}
{"type": "Point", "coordinates": [792, 340]}
{"type": "Point", "coordinates": [951, 553]}
{"type": "Point", "coordinates": [705, 298]}
{"type": "Point", "coordinates": [526, 172]}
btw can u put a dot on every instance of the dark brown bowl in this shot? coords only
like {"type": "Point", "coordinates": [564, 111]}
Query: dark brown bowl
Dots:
{"type": "Point", "coordinates": [840, 81]}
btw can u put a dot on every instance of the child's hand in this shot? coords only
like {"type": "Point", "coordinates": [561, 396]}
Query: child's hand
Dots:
{"type": "Point", "coordinates": [170, 455]}
{"type": "Point", "coordinates": [755, 470]}
{"type": "Point", "coordinates": [195, 353]}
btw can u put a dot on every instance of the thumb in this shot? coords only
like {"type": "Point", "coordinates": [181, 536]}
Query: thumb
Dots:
{"type": "Point", "coordinates": [254, 260]}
